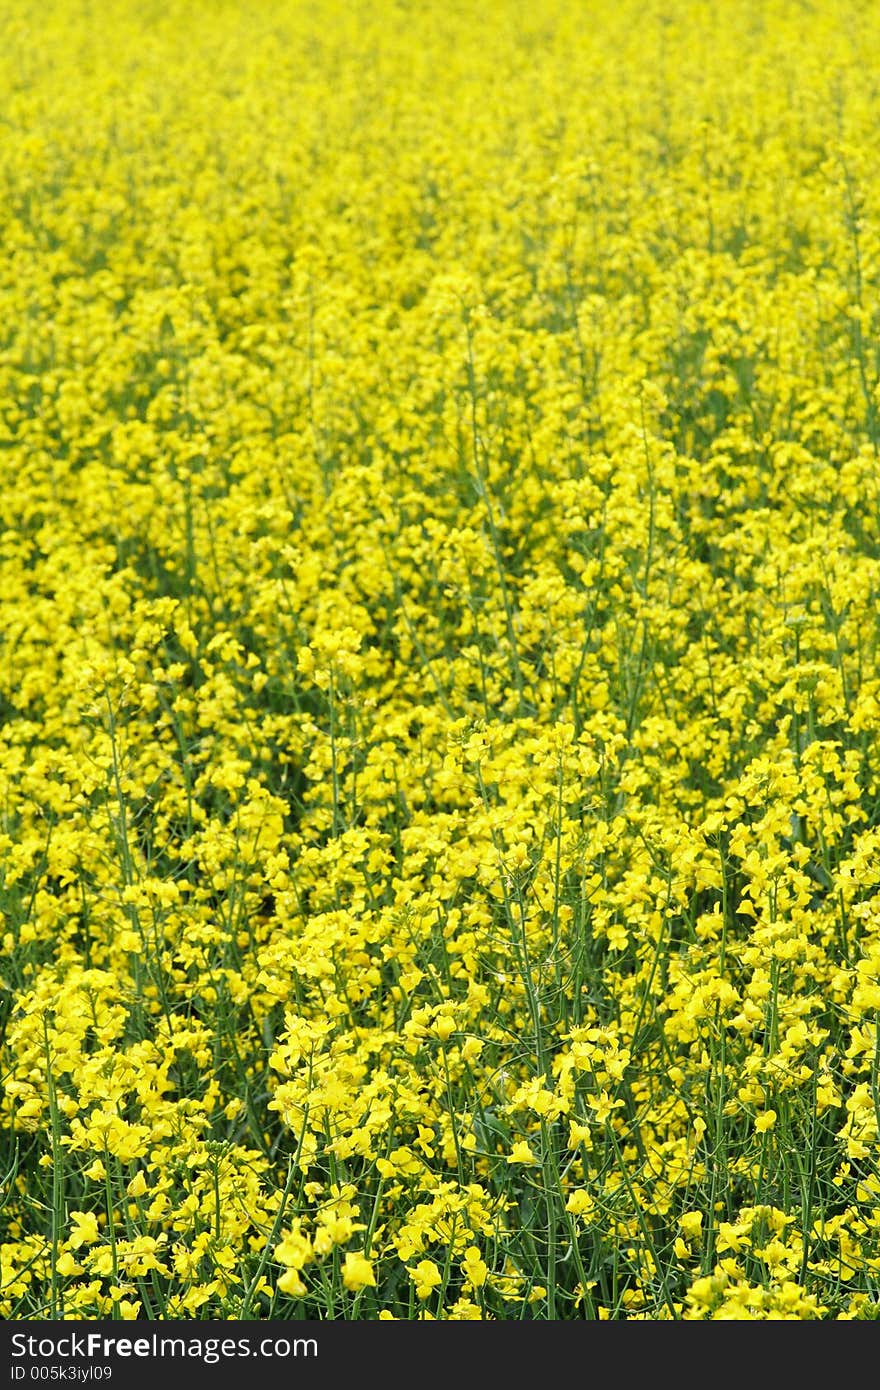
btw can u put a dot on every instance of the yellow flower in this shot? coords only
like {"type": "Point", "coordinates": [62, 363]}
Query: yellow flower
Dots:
{"type": "Point", "coordinates": [578, 1133]}
{"type": "Point", "coordinates": [292, 1284]}
{"type": "Point", "coordinates": [438, 686]}
{"type": "Point", "coordinates": [357, 1272]}
{"type": "Point", "coordinates": [691, 1224]}
{"type": "Point", "coordinates": [580, 1203]}
{"type": "Point", "coordinates": [294, 1250]}
{"type": "Point", "coordinates": [521, 1153]}
{"type": "Point", "coordinates": [474, 1267]}
{"type": "Point", "coordinates": [84, 1229]}
{"type": "Point", "coordinates": [426, 1276]}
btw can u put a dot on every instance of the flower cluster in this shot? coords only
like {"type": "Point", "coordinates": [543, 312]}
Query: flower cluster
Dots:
{"type": "Point", "coordinates": [440, 679]}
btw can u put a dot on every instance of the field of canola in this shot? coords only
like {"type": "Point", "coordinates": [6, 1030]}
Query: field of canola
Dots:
{"type": "Point", "coordinates": [439, 670]}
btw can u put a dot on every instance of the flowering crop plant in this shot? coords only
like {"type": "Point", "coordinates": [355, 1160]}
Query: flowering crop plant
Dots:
{"type": "Point", "coordinates": [439, 665]}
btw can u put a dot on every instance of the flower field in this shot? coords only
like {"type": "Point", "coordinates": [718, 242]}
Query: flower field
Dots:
{"type": "Point", "coordinates": [439, 667]}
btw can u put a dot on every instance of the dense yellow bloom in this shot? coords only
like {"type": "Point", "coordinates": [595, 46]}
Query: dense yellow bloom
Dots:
{"type": "Point", "coordinates": [439, 660]}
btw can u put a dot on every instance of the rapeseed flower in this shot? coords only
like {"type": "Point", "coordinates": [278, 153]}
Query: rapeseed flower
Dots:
{"type": "Point", "coordinates": [439, 784]}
